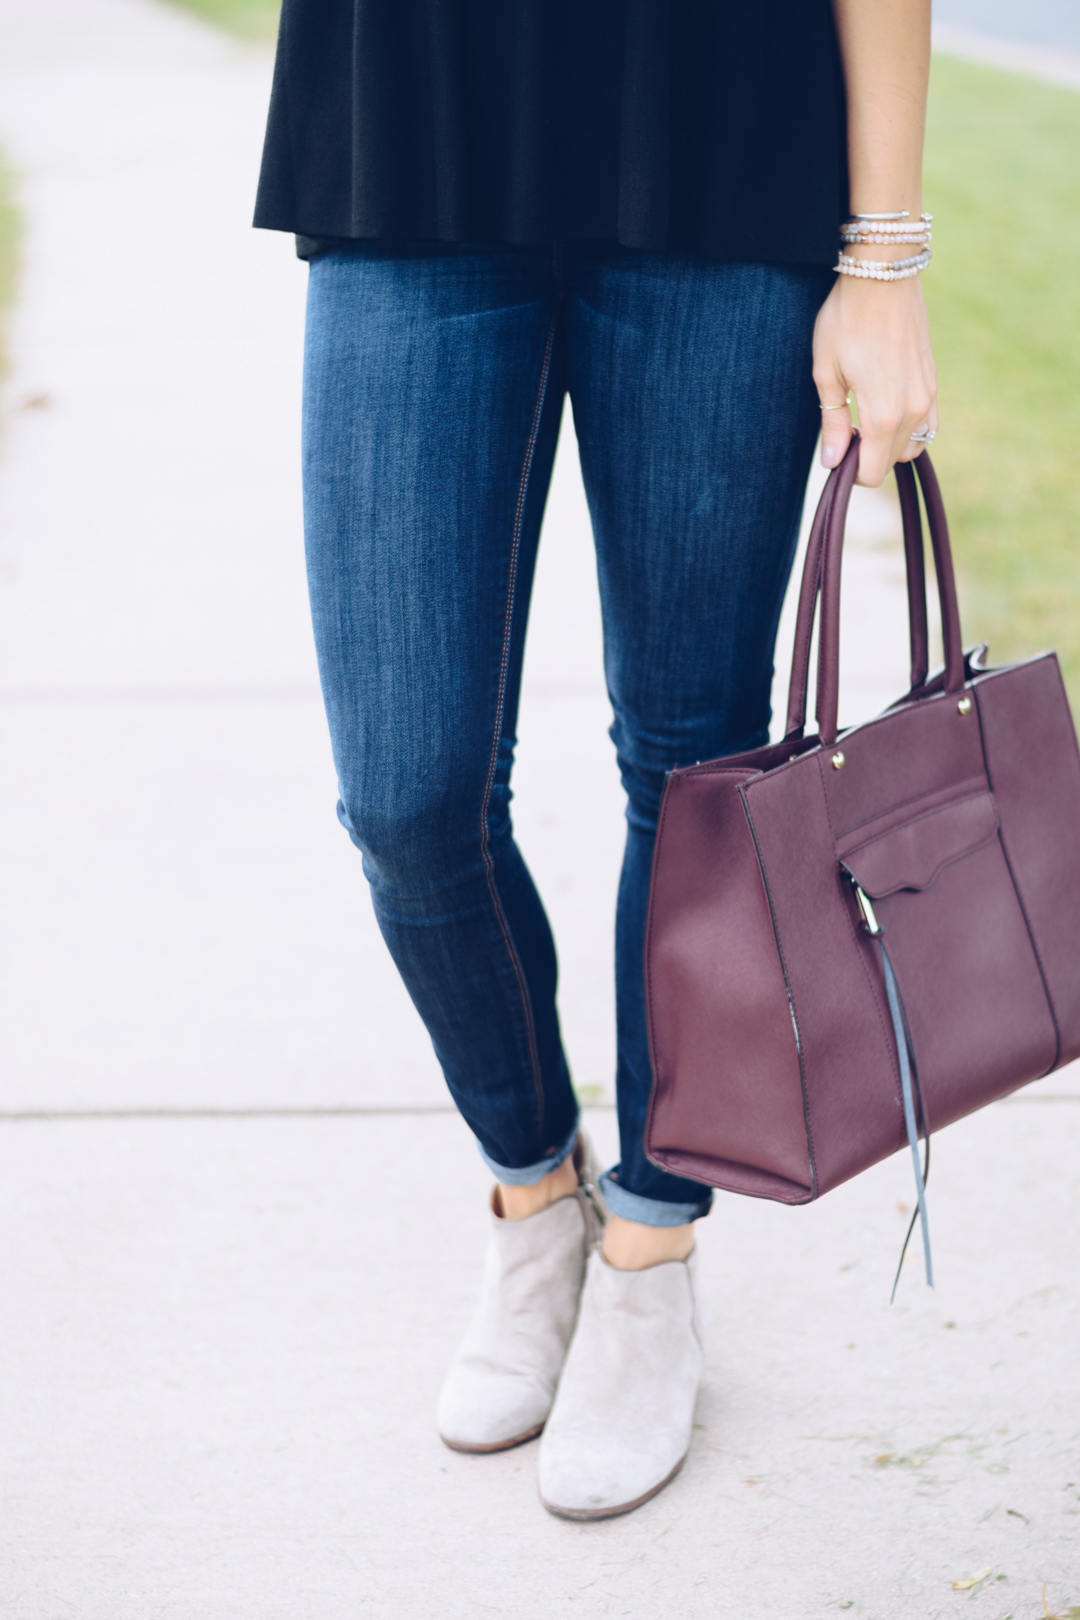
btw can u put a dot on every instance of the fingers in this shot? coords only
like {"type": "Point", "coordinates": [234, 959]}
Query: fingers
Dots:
{"type": "Point", "coordinates": [874, 341]}
{"type": "Point", "coordinates": [927, 425]}
{"type": "Point", "coordinates": [835, 418]}
{"type": "Point", "coordinates": [886, 434]}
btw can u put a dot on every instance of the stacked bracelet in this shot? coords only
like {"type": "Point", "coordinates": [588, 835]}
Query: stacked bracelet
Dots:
{"type": "Point", "coordinates": [885, 222]}
{"type": "Point", "coordinates": [889, 229]}
{"type": "Point", "coordinates": [911, 234]}
{"type": "Point", "coordinates": [883, 270]}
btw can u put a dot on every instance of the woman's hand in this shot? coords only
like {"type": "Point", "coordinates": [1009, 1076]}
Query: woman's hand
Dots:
{"type": "Point", "coordinates": [872, 338]}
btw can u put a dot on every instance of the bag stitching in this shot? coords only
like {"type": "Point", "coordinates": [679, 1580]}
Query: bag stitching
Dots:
{"type": "Point", "coordinates": [900, 804]}
{"type": "Point", "coordinates": [825, 795]}
{"type": "Point", "coordinates": [911, 888]}
{"type": "Point", "coordinates": [678, 1167]}
{"type": "Point", "coordinates": [914, 799]}
{"type": "Point", "coordinates": [1068, 710]}
{"type": "Point", "coordinates": [1023, 908]}
{"type": "Point", "coordinates": [790, 995]}
{"type": "Point", "coordinates": [928, 815]}
{"type": "Point", "coordinates": [875, 996]}
{"type": "Point", "coordinates": [894, 1062]}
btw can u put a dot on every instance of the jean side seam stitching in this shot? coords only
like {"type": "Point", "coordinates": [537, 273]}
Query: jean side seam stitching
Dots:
{"type": "Point", "coordinates": [485, 839]}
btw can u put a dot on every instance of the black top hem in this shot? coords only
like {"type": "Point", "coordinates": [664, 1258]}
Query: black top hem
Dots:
{"type": "Point", "coordinates": [705, 127]}
{"type": "Point", "coordinates": [314, 245]}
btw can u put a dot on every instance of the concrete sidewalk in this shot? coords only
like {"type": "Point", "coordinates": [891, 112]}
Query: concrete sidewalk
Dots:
{"type": "Point", "coordinates": [223, 1335]}
{"type": "Point", "coordinates": [223, 1341]}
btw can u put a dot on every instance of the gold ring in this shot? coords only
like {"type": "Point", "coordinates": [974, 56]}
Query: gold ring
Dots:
{"type": "Point", "coordinates": [841, 407]}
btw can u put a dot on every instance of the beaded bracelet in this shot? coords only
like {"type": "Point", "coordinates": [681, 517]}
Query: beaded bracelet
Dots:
{"type": "Point", "coordinates": [855, 237]}
{"type": "Point", "coordinates": [890, 230]}
{"type": "Point", "coordinates": [886, 270]}
{"type": "Point", "coordinates": [886, 229]}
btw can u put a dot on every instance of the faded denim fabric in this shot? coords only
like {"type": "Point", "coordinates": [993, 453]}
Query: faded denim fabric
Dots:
{"type": "Point", "coordinates": [434, 385]}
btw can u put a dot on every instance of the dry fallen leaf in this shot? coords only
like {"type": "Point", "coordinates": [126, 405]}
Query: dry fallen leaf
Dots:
{"type": "Point", "coordinates": [972, 1580]}
{"type": "Point", "coordinates": [1071, 1613]}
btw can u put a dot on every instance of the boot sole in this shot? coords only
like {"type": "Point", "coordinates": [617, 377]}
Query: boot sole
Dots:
{"type": "Point", "coordinates": [613, 1512]}
{"type": "Point", "coordinates": [498, 1445]}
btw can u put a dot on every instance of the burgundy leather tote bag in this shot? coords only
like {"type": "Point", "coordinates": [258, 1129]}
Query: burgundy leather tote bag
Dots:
{"type": "Point", "coordinates": [856, 938]}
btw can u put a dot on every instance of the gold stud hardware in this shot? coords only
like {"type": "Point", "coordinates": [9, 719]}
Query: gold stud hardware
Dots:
{"type": "Point", "coordinates": [964, 706]}
{"type": "Point", "coordinates": [838, 761]}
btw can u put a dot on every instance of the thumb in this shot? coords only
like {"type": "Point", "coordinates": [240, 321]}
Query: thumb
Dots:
{"type": "Point", "coordinates": [835, 423]}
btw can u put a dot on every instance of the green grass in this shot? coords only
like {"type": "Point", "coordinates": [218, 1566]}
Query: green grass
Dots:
{"type": "Point", "coordinates": [1003, 180]}
{"type": "Point", "coordinates": [9, 256]}
{"type": "Point", "coordinates": [249, 19]}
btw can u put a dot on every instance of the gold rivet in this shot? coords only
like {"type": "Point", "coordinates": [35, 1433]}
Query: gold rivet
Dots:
{"type": "Point", "coordinates": [964, 705]}
{"type": "Point", "coordinates": [838, 761]}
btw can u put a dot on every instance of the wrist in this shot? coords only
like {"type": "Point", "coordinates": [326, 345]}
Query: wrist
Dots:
{"type": "Point", "coordinates": [884, 246]}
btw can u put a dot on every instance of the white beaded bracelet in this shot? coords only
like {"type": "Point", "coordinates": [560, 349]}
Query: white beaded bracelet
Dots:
{"type": "Point", "coordinates": [878, 270]}
{"type": "Point", "coordinates": [886, 228]}
{"type": "Point", "coordinates": [924, 238]}
{"type": "Point", "coordinates": [890, 230]}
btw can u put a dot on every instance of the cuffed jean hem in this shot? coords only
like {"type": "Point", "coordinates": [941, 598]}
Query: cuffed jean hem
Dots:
{"type": "Point", "coordinates": [532, 1173]}
{"type": "Point", "coordinates": [650, 1211]}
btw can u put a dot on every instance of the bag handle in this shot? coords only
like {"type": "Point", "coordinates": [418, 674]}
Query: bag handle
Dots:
{"type": "Point", "coordinates": [811, 585]}
{"type": "Point", "coordinates": [821, 576]}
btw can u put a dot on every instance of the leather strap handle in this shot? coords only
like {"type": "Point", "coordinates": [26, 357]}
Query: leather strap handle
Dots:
{"type": "Point", "coordinates": [916, 572]}
{"type": "Point", "coordinates": [946, 575]}
{"type": "Point", "coordinates": [809, 590]}
{"type": "Point", "coordinates": [821, 575]}
{"type": "Point", "coordinates": [811, 585]}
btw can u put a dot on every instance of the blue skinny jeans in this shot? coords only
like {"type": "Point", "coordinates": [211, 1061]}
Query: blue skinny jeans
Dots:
{"type": "Point", "coordinates": [433, 388]}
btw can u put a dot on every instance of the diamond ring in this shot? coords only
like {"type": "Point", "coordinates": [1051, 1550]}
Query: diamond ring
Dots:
{"type": "Point", "coordinates": [925, 435]}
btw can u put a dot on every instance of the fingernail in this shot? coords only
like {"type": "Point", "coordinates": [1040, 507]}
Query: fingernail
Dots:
{"type": "Point", "coordinates": [830, 455]}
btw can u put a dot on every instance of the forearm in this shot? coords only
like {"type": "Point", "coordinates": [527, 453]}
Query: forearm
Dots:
{"type": "Point", "coordinates": [885, 49]}
{"type": "Point", "coordinates": [871, 337]}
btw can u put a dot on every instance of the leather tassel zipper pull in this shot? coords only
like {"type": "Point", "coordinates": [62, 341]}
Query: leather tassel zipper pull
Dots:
{"type": "Point", "coordinates": [909, 1085]}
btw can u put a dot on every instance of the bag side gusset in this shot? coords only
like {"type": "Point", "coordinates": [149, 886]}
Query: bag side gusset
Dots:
{"type": "Point", "coordinates": [1029, 736]}
{"type": "Point", "coordinates": [719, 1013]}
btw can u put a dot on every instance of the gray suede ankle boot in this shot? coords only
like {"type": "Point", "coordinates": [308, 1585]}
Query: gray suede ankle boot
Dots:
{"type": "Point", "coordinates": [500, 1387]}
{"type": "Point", "coordinates": [622, 1420]}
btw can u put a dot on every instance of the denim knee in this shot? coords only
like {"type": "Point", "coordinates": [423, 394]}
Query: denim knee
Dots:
{"type": "Point", "coordinates": [417, 849]}
{"type": "Point", "coordinates": [644, 790]}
